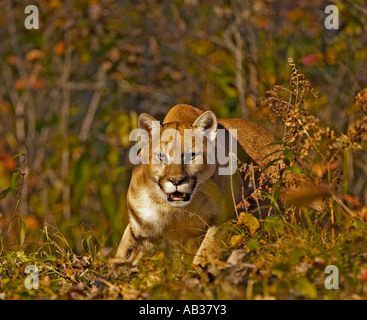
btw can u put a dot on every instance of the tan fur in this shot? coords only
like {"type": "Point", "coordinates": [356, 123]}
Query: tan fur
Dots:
{"type": "Point", "coordinates": [253, 139]}
{"type": "Point", "coordinates": [152, 218]}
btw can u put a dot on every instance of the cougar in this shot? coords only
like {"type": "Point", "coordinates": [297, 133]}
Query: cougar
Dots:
{"type": "Point", "coordinates": [169, 199]}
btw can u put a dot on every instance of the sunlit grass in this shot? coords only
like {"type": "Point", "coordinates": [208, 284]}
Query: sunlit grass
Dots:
{"type": "Point", "coordinates": [287, 266]}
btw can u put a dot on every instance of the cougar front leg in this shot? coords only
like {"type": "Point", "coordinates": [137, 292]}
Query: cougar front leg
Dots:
{"type": "Point", "coordinates": [128, 250]}
{"type": "Point", "coordinates": [210, 248]}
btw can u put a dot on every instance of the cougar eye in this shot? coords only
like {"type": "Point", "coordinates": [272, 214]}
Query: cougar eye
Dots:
{"type": "Point", "coordinates": [192, 156]}
{"type": "Point", "coordinates": [162, 157]}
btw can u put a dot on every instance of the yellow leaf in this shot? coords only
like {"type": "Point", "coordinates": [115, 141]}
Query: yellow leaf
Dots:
{"type": "Point", "coordinates": [249, 221]}
{"type": "Point", "coordinates": [235, 240]}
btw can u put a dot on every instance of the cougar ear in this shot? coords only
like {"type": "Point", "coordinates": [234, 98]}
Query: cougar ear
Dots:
{"type": "Point", "coordinates": [145, 122]}
{"type": "Point", "coordinates": [207, 122]}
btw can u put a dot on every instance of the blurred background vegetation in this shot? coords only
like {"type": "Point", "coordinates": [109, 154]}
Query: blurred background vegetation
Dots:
{"type": "Point", "coordinates": [71, 91]}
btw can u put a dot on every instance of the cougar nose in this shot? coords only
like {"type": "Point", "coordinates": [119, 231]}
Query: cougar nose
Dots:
{"type": "Point", "coordinates": [176, 180]}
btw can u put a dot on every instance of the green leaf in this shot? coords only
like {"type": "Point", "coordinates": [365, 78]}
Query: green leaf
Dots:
{"type": "Point", "coordinates": [274, 224]}
{"type": "Point", "coordinates": [276, 185]}
{"type": "Point", "coordinates": [19, 154]}
{"type": "Point", "coordinates": [14, 182]}
{"type": "Point", "coordinates": [304, 286]}
{"type": "Point", "coordinates": [295, 170]}
{"type": "Point", "coordinates": [281, 269]}
{"type": "Point", "coordinates": [276, 194]}
{"type": "Point", "coordinates": [288, 154]}
{"type": "Point", "coordinates": [296, 255]}
{"type": "Point", "coordinates": [253, 244]}
{"type": "Point", "coordinates": [4, 193]}
{"type": "Point", "coordinates": [22, 229]}
{"type": "Point", "coordinates": [268, 196]}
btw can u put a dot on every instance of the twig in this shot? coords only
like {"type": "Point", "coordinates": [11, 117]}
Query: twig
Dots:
{"type": "Point", "coordinates": [93, 105]}
{"type": "Point", "coordinates": [254, 185]}
{"type": "Point", "coordinates": [231, 181]}
{"type": "Point", "coordinates": [19, 190]}
{"type": "Point", "coordinates": [64, 123]}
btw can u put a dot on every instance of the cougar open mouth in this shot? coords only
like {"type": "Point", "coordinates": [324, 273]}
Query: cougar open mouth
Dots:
{"type": "Point", "coordinates": [178, 196]}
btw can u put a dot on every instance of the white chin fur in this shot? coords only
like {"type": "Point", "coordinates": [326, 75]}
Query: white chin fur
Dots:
{"type": "Point", "coordinates": [178, 204]}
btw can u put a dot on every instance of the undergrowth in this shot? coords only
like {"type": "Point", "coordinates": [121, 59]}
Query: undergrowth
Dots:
{"type": "Point", "coordinates": [277, 249]}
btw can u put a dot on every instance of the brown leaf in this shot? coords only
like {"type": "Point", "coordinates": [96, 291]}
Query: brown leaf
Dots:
{"type": "Point", "coordinates": [59, 48]}
{"type": "Point", "coordinates": [69, 272]}
{"type": "Point", "coordinates": [34, 54]}
{"type": "Point", "coordinates": [305, 196]}
{"type": "Point", "coordinates": [12, 60]}
{"type": "Point", "coordinates": [34, 82]}
{"type": "Point", "coordinates": [352, 199]}
{"type": "Point", "coordinates": [32, 222]}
